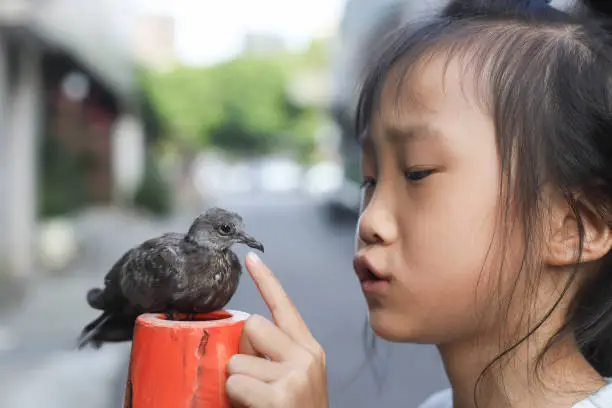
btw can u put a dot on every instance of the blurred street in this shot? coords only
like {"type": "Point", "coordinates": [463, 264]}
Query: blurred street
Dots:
{"type": "Point", "coordinates": [122, 120]}
{"type": "Point", "coordinates": [311, 256]}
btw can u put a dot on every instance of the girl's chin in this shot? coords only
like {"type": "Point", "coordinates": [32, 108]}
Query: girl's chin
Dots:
{"type": "Point", "coordinates": [386, 327]}
{"type": "Point", "coordinates": [395, 329]}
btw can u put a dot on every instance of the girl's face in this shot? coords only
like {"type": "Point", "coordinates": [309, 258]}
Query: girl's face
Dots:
{"type": "Point", "coordinates": [430, 210]}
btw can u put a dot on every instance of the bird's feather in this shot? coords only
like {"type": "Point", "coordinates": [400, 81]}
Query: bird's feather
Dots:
{"type": "Point", "coordinates": [190, 273]}
{"type": "Point", "coordinates": [153, 272]}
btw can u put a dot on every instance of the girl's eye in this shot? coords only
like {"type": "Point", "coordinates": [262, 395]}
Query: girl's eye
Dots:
{"type": "Point", "coordinates": [418, 175]}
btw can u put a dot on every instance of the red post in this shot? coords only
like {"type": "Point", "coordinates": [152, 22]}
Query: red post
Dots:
{"type": "Point", "coordinates": [182, 364]}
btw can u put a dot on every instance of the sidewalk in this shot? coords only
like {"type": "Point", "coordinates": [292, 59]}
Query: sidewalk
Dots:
{"type": "Point", "coordinates": [39, 364]}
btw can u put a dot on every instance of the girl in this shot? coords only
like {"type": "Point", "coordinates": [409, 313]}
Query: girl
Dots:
{"type": "Point", "coordinates": [486, 223]}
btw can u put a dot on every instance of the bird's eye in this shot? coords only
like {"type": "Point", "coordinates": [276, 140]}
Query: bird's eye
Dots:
{"type": "Point", "coordinates": [225, 229]}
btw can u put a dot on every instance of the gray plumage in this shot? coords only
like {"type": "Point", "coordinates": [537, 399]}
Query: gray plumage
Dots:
{"type": "Point", "coordinates": [189, 273]}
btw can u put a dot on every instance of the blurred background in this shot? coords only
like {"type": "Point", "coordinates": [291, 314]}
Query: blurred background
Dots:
{"type": "Point", "coordinates": [123, 119]}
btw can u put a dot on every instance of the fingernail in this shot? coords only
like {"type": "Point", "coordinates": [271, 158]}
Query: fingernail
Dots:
{"type": "Point", "coordinates": [254, 257]}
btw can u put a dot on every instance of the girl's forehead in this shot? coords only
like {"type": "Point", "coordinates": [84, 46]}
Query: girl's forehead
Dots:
{"type": "Point", "coordinates": [424, 92]}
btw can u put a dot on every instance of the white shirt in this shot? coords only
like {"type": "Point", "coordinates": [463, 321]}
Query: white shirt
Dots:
{"type": "Point", "coordinates": [600, 399]}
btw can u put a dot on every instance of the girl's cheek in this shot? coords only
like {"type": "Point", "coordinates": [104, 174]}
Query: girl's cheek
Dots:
{"type": "Point", "coordinates": [448, 233]}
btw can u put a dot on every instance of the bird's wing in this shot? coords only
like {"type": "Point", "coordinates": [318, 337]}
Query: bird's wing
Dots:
{"type": "Point", "coordinates": [153, 271]}
{"type": "Point", "coordinates": [110, 296]}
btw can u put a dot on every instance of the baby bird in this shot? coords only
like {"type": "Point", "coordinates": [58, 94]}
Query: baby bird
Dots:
{"type": "Point", "coordinates": [175, 273]}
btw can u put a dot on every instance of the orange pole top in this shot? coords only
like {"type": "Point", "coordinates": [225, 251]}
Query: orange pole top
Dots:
{"type": "Point", "coordinates": [182, 364]}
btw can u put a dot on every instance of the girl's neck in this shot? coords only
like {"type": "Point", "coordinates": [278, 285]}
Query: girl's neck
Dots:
{"type": "Point", "coordinates": [564, 376]}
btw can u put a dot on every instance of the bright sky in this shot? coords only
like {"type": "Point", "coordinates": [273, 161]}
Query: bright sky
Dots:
{"type": "Point", "coordinates": [209, 30]}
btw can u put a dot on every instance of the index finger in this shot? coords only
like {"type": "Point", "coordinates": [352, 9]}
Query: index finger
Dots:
{"type": "Point", "coordinates": [284, 312]}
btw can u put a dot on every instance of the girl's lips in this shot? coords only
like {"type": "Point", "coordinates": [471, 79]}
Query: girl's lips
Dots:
{"type": "Point", "coordinates": [379, 287]}
{"type": "Point", "coordinates": [365, 271]}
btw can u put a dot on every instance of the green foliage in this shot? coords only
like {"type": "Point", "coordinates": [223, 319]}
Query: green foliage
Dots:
{"type": "Point", "coordinates": [251, 94]}
{"type": "Point", "coordinates": [239, 105]}
{"type": "Point", "coordinates": [185, 101]}
{"type": "Point", "coordinates": [63, 188]}
{"type": "Point", "coordinates": [153, 194]}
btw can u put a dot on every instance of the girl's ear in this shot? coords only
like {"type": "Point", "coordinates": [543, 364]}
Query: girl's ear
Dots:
{"type": "Point", "coordinates": [563, 237]}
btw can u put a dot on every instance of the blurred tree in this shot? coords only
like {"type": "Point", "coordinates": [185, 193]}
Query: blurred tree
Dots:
{"type": "Point", "coordinates": [251, 94]}
{"type": "Point", "coordinates": [153, 194]}
{"type": "Point", "coordinates": [180, 97]}
{"type": "Point", "coordinates": [63, 187]}
{"type": "Point", "coordinates": [240, 105]}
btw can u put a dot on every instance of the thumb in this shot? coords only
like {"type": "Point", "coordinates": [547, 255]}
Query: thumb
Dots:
{"type": "Point", "coordinates": [247, 392]}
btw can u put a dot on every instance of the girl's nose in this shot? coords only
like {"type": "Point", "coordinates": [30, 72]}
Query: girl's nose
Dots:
{"type": "Point", "coordinates": [377, 223]}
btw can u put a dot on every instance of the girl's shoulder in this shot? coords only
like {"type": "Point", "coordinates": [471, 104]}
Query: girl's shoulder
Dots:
{"type": "Point", "coordinates": [440, 399]}
{"type": "Point", "coordinates": [600, 399]}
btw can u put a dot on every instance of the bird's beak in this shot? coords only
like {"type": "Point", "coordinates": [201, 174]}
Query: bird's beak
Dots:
{"type": "Point", "coordinates": [250, 241]}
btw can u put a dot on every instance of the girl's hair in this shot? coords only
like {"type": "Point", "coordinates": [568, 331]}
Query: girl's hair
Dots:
{"type": "Point", "coordinates": [545, 77]}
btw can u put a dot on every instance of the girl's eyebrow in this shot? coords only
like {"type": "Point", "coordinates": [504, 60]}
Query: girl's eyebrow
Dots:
{"type": "Point", "coordinates": [401, 135]}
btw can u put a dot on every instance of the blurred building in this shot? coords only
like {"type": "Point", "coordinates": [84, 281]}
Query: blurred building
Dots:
{"type": "Point", "coordinates": [154, 41]}
{"type": "Point", "coordinates": [262, 44]}
{"type": "Point", "coordinates": [67, 86]}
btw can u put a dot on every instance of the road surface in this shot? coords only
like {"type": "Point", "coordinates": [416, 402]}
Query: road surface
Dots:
{"type": "Point", "coordinates": [312, 259]}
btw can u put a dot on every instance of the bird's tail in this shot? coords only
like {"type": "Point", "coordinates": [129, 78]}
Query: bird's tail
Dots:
{"type": "Point", "coordinates": [108, 327]}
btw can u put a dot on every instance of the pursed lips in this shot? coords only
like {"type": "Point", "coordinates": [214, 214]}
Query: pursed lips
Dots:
{"type": "Point", "coordinates": [365, 269]}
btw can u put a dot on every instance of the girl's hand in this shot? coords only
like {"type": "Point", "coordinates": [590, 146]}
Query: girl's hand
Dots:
{"type": "Point", "coordinates": [280, 364]}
